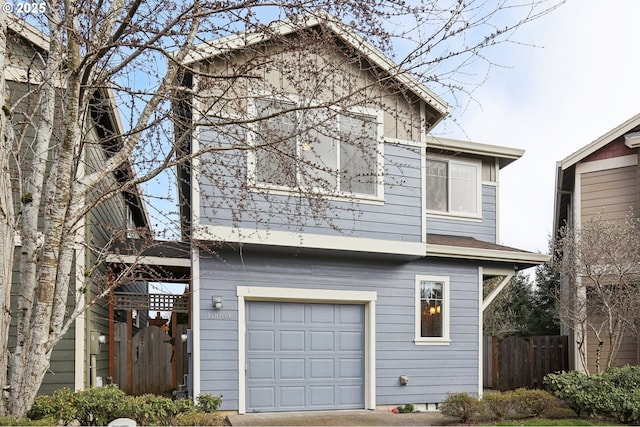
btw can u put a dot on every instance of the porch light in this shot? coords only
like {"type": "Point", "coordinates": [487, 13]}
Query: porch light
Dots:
{"type": "Point", "coordinates": [216, 302]}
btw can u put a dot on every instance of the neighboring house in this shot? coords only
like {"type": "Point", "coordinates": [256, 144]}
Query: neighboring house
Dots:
{"type": "Point", "coordinates": [340, 262]}
{"type": "Point", "coordinates": [600, 178]}
{"type": "Point", "coordinates": [78, 361]}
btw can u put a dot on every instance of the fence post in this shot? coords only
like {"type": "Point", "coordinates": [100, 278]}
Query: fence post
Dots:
{"type": "Point", "coordinates": [494, 361]}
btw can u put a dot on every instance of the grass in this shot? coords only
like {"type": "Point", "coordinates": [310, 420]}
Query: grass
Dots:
{"type": "Point", "coordinates": [550, 422]}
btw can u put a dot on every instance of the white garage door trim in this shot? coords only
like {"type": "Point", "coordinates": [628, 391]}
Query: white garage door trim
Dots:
{"type": "Point", "coordinates": [367, 298]}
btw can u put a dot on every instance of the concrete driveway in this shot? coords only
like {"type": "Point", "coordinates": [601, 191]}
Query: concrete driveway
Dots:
{"type": "Point", "coordinates": [341, 418]}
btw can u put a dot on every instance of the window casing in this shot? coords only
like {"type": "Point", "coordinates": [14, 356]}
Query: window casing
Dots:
{"type": "Point", "coordinates": [453, 186]}
{"type": "Point", "coordinates": [432, 310]}
{"type": "Point", "coordinates": [315, 148]}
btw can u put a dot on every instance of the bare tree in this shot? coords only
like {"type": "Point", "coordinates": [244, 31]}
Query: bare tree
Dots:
{"type": "Point", "coordinates": [599, 292]}
{"type": "Point", "coordinates": [94, 56]}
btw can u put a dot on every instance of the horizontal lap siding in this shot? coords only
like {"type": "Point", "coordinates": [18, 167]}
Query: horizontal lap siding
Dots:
{"type": "Point", "coordinates": [612, 192]}
{"type": "Point", "coordinates": [433, 370]}
{"type": "Point", "coordinates": [484, 230]}
{"type": "Point", "coordinates": [223, 203]}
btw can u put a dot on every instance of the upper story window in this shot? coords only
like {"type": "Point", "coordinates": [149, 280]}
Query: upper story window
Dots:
{"type": "Point", "coordinates": [316, 149]}
{"type": "Point", "coordinates": [453, 186]}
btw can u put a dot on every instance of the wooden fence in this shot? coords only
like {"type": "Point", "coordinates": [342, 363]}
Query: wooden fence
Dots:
{"type": "Point", "coordinates": [515, 362]}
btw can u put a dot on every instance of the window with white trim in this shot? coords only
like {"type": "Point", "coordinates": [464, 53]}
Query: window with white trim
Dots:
{"type": "Point", "coordinates": [432, 310]}
{"type": "Point", "coordinates": [315, 148]}
{"type": "Point", "coordinates": [453, 186]}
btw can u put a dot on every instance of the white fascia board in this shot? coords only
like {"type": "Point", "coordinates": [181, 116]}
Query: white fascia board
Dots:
{"type": "Point", "coordinates": [306, 240]}
{"type": "Point", "coordinates": [605, 164]}
{"type": "Point", "coordinates": [28, 31]}
{"type": "Point", "coordinates": [284, 27]}
{"type": "Point", "coordinates": [149, 260]}
{"type": "Point", "coordinates": [477, 148]}
{"type": "Point", "coordinates": [605, 139]}
{"type": "Point", "coordinates": [485, 254]}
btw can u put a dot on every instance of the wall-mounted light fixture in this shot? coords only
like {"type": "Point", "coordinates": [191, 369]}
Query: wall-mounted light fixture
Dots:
{"type": "Point", "coordinates": [102, 339]}
{"type": "Point", "coordinates": [404, 380]}
{"type": "Point", "coordinates": [216, 302]}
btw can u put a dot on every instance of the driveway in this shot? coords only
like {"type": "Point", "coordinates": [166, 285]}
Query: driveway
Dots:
{"type": "Point", "coordinates": [341, 418]}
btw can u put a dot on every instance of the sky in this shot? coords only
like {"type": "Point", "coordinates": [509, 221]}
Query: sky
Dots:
{"type": "Point", "coordinates": [581, 81]}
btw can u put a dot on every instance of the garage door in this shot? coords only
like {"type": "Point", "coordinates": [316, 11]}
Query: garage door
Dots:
{"type": "Point", "coordinates": [304, 356]}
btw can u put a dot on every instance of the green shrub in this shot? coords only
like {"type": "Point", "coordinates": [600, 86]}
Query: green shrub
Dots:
{"type": "Point", "coordinates": [150, 409]}
{"type": "Point", "coordinates": [60, 406]}
{"type": "Point", "coordinates": [498, 404]}
{"type": "Point", "coordinates": [99, 405]}
{"type": "Point", "coordinates": [612, 394]}
{"type": "Point", "coordinates": [183, 406]}
{"type": "Point", "coordinates": [461, 405]}
{"type": "Point", "coordinates": [208, 403]}
{"type": "Point", "coordinates": [575, 388]}
{"type": "Point", "coordinates": [405, 409]}
{"type": "Point", "coordinates": [531, 402]}
{"type": "Point", "coordinates": [198, 419]}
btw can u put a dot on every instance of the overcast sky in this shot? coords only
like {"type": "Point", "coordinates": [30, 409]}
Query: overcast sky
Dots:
{"type": "Point", "coordinates": [552, 100]}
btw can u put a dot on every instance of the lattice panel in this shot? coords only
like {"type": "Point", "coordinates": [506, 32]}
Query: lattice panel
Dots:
{"type": "Point", "coordinates": [151, 302]}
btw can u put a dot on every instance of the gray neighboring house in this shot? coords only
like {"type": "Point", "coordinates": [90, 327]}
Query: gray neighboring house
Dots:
{"type": "Point", "coordinates": [601, 177]}
{"type": "Point", "coordinates": [380, 300]}
{"type": "Point", "coordinates": [75, 362]}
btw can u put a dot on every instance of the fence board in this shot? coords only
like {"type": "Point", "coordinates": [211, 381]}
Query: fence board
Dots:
{"type": "Point", "coordinates": [522, 362]}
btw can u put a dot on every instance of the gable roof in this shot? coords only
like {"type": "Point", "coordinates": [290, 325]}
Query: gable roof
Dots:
{"type": "Point", "coordinates": [505, 155]}
{"type": "Point", "coordinates": [347, 35]}
{"type": "Point", "coordinates": [594, 146]}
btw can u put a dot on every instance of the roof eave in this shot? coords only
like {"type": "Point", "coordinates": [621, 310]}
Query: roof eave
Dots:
{"type": "Point", "coordinates": [521, 259]}
{"type": "Point", "coordinates": [597, 144]}
{"type": "Point", "coordinates": [505, 154]}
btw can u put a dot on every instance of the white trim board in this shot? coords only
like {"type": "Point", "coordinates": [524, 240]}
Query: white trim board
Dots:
{"type": "Point", "coordinates": [304, 240]}
{"type": "Point", "coordinates": [328, 296]}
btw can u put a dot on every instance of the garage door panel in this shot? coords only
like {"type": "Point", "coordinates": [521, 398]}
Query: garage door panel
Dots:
{"type": "Point", "coordinates": [350, 341]}
{"type": "Point", "coordinates": [348, 395]}
{"type": "Point", "coordinates": [292, 369]}
{"type": "Point", "coordinates": [262, 313]}
{"type": "Point", "coordinates": [310, 355]}
{"type": "Point", "coordinates": [322, 369]}
{"type": "Point", "coordinates": [292, 313]}
{"type": "Point", "coordinates": [261, 369]}
{"type": "Point", "coordinates": [261, 340]}
{"type": "Point", "coordinates": [262, 397]}
{"type": "Point", "coordinates": [350, 314]}
{"type": "Point", "coordinates": [292, 340]}
{"type": "Point", "coordinates": [292, 397]}
{"type": "Point", "coordinates": [322, 396]}
{"type": "Point", "coordinates": [321, 340]}
{"type": "Point", "coordinates": [322, 314]}
{"type": "Point", "coordinates": [350, 368]}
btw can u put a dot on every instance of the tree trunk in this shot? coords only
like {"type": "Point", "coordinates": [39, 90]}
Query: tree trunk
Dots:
{"type": "Point", "coordinates": [7, 219]}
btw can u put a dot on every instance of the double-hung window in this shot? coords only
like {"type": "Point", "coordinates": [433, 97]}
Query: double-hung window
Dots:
{"type": "Point", "coordinates": [432, 310]}
{"type": "Point", "coordinates": [315, 148]}
{"type": "Point", "coordinates": [453, 186]}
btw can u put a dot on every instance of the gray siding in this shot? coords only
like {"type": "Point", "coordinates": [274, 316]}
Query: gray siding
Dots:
{"type": "Point", "coordinates": [224, 203]}
{"type": "Point", "coordinates": [611, 192]}
{"type": "Point", "coordinates": [433, 370]}
{"type": "Point", "coordinates": [484, 230]}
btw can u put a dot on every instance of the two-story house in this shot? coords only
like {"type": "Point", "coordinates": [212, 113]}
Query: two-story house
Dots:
{"type": "Point", "coordinates": [342, 251]}
{"type": "Point", "coordinates": [599, 178]}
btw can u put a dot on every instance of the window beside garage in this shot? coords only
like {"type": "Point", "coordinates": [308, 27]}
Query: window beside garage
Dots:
{"type": "Point", "coordinates": [432, 310]}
